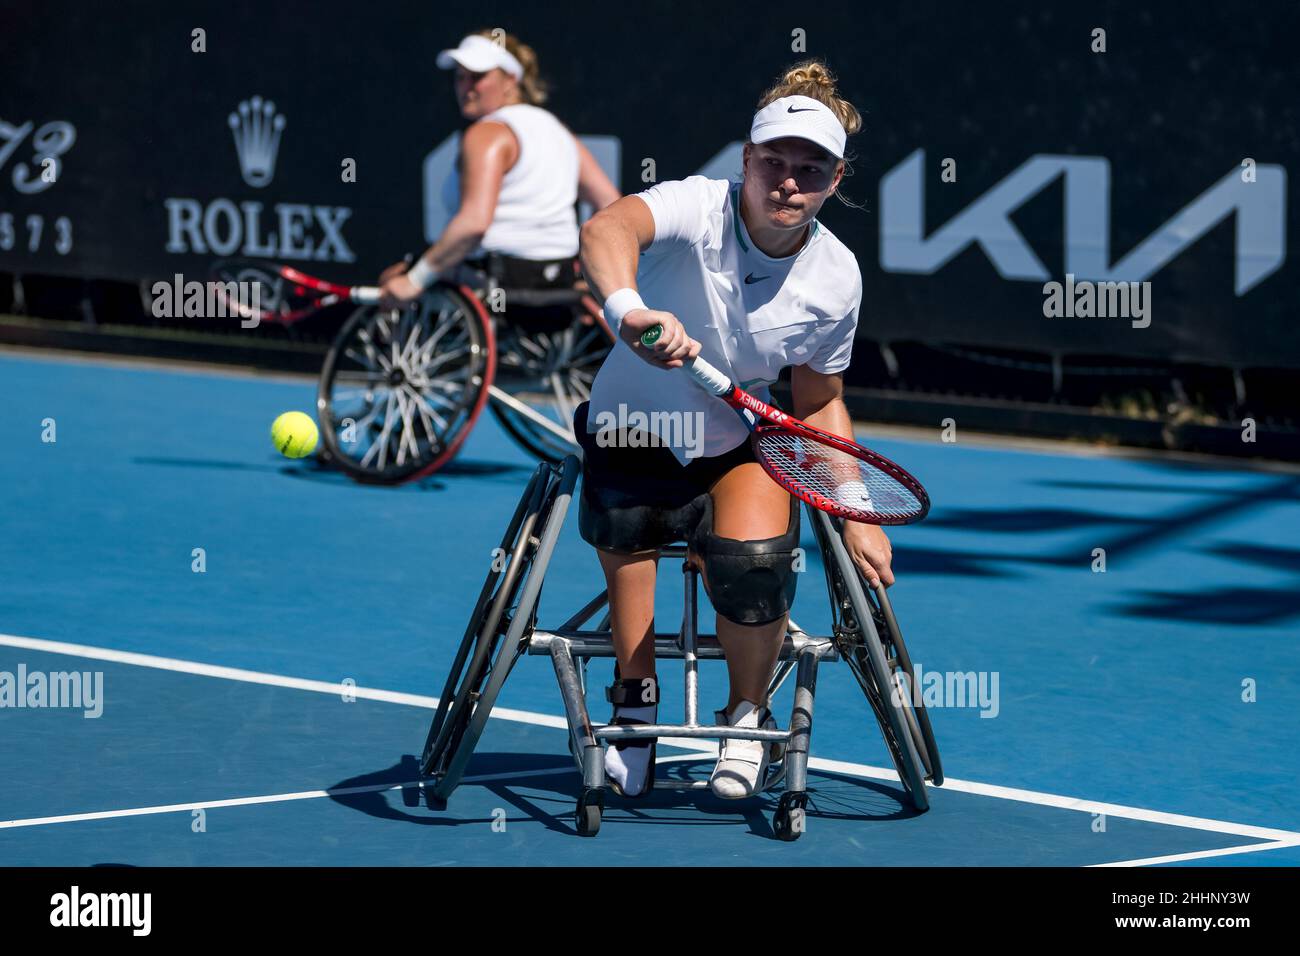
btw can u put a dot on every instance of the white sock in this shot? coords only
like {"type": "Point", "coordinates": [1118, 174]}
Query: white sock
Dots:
{"type": "Point", "coordinates": [630, 763]}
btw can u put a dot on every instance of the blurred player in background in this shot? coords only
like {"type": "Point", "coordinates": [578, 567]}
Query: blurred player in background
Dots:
{"type": "Point", "coordinates": [519, 176]}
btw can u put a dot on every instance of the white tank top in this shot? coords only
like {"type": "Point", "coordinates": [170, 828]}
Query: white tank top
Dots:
{"type": "Point", "coordinates": [535, 216]}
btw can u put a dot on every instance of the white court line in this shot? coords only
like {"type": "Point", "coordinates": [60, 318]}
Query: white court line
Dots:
{"type": "Point", "coordinates": [1201, 854]}
{"type": "Point", "coordinates": [253, 801]}
{"type": "Point", "coordinates": [336, 689]}
{"type": "Point", "coordinates": [546, 720]}
{"type": "Point", "coordinates": [1085, 806]}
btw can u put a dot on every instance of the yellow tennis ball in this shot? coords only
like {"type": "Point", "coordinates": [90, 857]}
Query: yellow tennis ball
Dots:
{"type": "Point", "coordinates": [294, 434]}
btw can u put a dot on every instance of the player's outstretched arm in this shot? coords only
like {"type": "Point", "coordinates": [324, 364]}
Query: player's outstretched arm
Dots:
{"type": "Point", "coordinates": [819, 401]}
{"type": "Point", "coordinates": [609, 248]}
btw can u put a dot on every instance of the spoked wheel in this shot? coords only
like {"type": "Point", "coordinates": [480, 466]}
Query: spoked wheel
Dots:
{"type": "Point", "coordinates": [550, 372]}
{"type": "Point", "coordinates": [503, 619]}
{"type": "Point", "coordinates": [869, 641]}
{"type": "Point", "coordinates": [401, 389]}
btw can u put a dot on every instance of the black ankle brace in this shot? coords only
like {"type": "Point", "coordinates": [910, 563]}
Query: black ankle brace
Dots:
{"type": "Point", "coordinates": [633, 691]}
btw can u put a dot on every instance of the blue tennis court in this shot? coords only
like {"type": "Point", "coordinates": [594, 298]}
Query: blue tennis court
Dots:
{"type": "Point", "coordinates": [259, 643]}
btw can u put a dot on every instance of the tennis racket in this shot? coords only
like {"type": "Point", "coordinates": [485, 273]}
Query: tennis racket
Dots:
{"type": "Point", "coordinates": [831, 473]}
{"type": "Point", "coordinates": [277, 293]}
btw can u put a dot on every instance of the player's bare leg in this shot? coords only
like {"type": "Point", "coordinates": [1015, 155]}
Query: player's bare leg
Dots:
{"type": "Point", "coordinates": [749, 506]}
{"type": "Point", "coordinates": [630, 579]}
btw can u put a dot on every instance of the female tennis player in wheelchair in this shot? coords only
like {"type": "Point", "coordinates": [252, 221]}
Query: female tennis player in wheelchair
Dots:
{"type": "Point", "coordinates": [519, 177]}
{"type": "Point", "coordinates": [743, 274]}
{"type": "Point", "coordinates": [510, 320]}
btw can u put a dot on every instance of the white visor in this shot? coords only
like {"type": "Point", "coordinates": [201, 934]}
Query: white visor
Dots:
{"type": "Point", "coordinates": [478, 55]}
{"type": "Point", "coordinates": [800, 116]}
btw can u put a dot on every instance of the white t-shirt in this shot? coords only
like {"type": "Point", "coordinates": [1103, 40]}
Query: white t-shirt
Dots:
{"type": "Point", "coordinates": [535, 215]}
{"type": "Point", "coordinates": [752, 315]}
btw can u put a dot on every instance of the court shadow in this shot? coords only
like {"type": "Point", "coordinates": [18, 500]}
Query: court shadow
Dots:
{"type": "Point", "coordinates": [458, 468]}
{"type": "Point", "coordinates": [1267, 556]}
{"type": "Point", "coordinates": [913, 560]}
{"type": "Point", "coordinates": [1281, 487]}
{"type": "Point", "coordinates": [438, 481]}
{"type": "Point", "coordinates": [1075, 484]}
{"type": "Point", "coordinates": [315, 469]}
{"type": "Point", "coordinates": [373, 793]}
{"type": "Point", "coordinates": [544, 789]}
{"type": "Point", "coordinates": [1241, 606]}
{"type": "Point", "coordinates": [209, 463]}
{"type": "Point", "coordinates": [1020, 520]}
{"type": "Point", "coordinates": [327, 475]}
{"type": "Point", "coordinates": [830, 797]}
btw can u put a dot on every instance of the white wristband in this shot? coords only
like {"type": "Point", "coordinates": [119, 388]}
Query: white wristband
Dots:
{"type": "Point", "coordinates": [619, 304]}
{"type": "Point", "coordinates": [422, 274]}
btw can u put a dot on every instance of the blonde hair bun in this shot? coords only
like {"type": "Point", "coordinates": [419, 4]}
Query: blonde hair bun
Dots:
{"type": "Point", "coordinates": [813, 78]}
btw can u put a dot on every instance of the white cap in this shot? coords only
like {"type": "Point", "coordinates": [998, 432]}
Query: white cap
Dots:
{"type": "Point", "coordinates": [800, 116]}
{"type": "Point", "coordinates": [478, 54]}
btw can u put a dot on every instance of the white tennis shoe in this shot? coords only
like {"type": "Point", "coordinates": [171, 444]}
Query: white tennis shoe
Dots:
{"type": "Point", "coordinates": [742, 764]}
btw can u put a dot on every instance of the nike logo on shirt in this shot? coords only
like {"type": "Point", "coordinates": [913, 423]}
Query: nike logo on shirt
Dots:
{"type": "Point", "coordinates": [751, 278]}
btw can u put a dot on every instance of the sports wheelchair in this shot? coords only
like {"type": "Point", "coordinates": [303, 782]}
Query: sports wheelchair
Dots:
{"type": "Point", "coordinates": [504, 627]}
{"type": "Point", "coordinates": [400, 390]}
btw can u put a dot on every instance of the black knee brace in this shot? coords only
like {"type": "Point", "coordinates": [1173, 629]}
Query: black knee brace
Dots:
{"type": "Point", "coordinates": [749, 582]}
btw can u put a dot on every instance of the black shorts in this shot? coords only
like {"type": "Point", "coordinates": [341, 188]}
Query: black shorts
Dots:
{"type": "Point", "coordinates": [639, 499]}
{"type": "Point", "coordinates": [544, 275]}
{"type": "Point", "coordinates": [511, 272]}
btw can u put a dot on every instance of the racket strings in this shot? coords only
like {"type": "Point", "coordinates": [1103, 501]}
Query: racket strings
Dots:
{"type": "Point", "coordinates": [850, 482]}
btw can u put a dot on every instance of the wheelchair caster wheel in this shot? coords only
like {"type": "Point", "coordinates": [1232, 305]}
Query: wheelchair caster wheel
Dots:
{"type": "Point", "coordinates": [431, 800]}
{"type": "Point", "coordinates": [590, 806]}
{"type": "Point", "coordinates": [789, 819]}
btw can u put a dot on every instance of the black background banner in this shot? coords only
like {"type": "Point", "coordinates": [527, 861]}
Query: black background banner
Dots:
{"type": "Point", "coordinates": [308, 906]}
{"type": "Point", "coordinates": [1183, 94]}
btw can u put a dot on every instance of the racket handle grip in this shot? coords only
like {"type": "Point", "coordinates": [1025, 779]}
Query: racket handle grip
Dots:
{"type": "Point", "coordinates": [364, 294]}
{"type": "Point", "coordinates": [705, 375]}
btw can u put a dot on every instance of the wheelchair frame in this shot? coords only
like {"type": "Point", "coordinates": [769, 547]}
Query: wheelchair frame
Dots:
{"type": "Point", "coordinates": [503, 628]}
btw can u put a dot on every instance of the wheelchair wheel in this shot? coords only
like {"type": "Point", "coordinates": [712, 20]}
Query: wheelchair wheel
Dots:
{"type": "Point", "coordinates": [551, 371]}
{"type": "Point", "coordinates": [401, 389]}
{"type": "Point", "coordinates": [870, 646]}
{"type": "Point", "coordinates": [900, 661]}
{"type": "Point", "coordinates": [503, 618]}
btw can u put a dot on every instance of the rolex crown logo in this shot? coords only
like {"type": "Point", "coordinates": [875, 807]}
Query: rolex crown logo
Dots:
{"type": "Point", "coordinates": [256, 127]}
